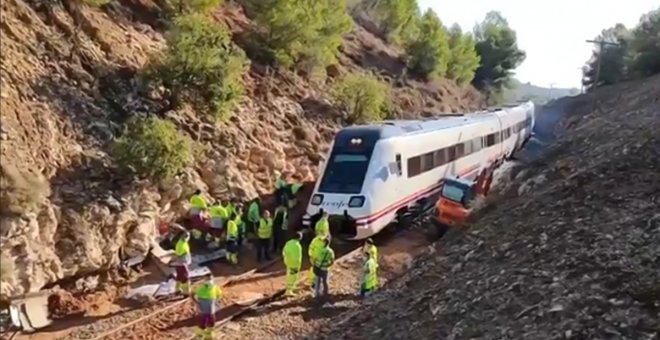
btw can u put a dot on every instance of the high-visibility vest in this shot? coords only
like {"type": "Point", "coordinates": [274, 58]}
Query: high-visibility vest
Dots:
{"type": "Point", "coordinates": [371, 274]}
{"type": "Point", "coordinates": [218, 211]}
{"type": "Point", "coordinates": [253, 212]}
{"type": "Point", "coordinates": [373, 250]}
{"type": "Point", "coordinates": [325, 258]}
{"type": "Point", "coordinates": [315, 246]}
{"type": "Point", "coordinates": [265, 230]}
{"type": "Point", "coordinates": [322, 227]}
{"type": "Point", "coordinates": [208, 292]}
{"type": "Point", "coordinates": [182, 248]}
{"type": "Point", "coordinates": [232, 231]}
{"type": "Point", "coordinates": [198, 201]}
{"type": "Point", "coordinates": [292, 254]}
{"type": "Point", "coordinates": [295, 187]}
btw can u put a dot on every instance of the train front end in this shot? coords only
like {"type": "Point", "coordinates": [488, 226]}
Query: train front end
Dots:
{"type": "Point", "coordinates": [339, 190]}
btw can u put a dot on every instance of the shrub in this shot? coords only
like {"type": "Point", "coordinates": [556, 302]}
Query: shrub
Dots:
{"type": "Point", "coordinates": [429, 53]}
{"type": "Point", "coordinates": [152, 147]}
{"type": "Point", "coordinates": [201, 66]}
{"type": "Point", "coordinates": [363, 96]}
{"type": "Point", "coordinates": [302, 32]}
{"type": "Point", "coordinates": [192, 6]}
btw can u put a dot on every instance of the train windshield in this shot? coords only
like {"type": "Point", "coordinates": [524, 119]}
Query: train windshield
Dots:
{"type": "Point", "coordinates": [344, 174]}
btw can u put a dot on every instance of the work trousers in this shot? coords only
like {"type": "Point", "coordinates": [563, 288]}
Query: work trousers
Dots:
{"type": "Point", "coordinates": [262, 249]}
{"type": "Point", "coordinates": [278, 234]}
{"type": "Point", "coordinates": [292, 279]}
{"type": "Point", "coordinates": [321, 279]}
{"type": "Point", "coordinates": [364, 290]}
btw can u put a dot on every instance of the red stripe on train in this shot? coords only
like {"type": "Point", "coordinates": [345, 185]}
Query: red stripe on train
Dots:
{"type": "Point", "coordinates": [406, 200]}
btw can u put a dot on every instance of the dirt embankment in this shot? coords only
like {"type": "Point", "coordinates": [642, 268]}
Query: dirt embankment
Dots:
{"type": "Point", "coordinates": [570, 252]}
{"type": "Point", "coordinates": [67, 211]}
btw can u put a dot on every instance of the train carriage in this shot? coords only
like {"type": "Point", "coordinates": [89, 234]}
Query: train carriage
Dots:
{"type": "Point", "coordinates": [376, 174]}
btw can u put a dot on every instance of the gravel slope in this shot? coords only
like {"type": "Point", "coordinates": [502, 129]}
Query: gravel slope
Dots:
{"type": "Point", "coordinates": [576, 257]}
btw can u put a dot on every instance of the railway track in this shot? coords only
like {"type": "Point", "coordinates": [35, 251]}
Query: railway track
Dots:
{"type": "Point", "coordinates": [245, 292]}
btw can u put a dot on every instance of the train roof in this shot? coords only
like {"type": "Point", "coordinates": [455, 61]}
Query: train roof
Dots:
{"type": "Point", "coordinates": [396, 128]}
{"type": "Point", "coordinates": [390, 129]}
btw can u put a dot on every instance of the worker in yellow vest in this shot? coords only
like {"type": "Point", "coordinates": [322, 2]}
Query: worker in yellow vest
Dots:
{"type": "Point", "coordinates": [280, 189]}
{"type": "Point", "coordinates": [370, 248]}
{"type": "Point", "coordinates": [322, 225]}
{"type": "Point", "coordinates": [253, 216]}
{"type": "Point", "coordinates": [369, 281]}
{"type": "Point", "coordinates": [232, 239]}
{"type": "Point", "coordinates": [322, 262]}
{"type": "Point", "coordinates": [182, 260]}
{"type": "Point", "coordinates": [292, 255]}
{"type": "Point", "coordinates": [208, 297]}
{"type": "Point", "coordinates": [264, 236]}
{"type": "Point", "coordinates": [238, 211]}
{"type": "Point", "coordinates": [197, 203]}
{"type": "Point", "coordinates": [314, 247]}
{"type": "Point", "coordinates": [218, 214]}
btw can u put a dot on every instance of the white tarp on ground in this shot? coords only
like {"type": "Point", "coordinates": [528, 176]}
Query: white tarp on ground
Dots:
{"type": "Point", "coordinates": [31, 313]}
{"type": "Point", "coordinates": [152, 290]}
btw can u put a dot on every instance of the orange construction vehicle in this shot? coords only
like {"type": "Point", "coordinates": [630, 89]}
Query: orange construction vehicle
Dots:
{"type": "Point", "coordinates": [456, 196]}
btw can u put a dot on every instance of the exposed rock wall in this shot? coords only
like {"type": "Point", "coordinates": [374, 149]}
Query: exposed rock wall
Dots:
{"type": "Point", "coordinates": [66, 211]}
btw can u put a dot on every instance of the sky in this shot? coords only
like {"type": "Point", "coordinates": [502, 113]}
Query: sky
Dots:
{"type": "Point", "coordinates": [551, 32]}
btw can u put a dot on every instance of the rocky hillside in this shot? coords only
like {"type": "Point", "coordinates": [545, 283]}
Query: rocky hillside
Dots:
{"type": "Point", "coordinates": [570, 252]}
{"type": "Point", "coordinates": [67, 211]}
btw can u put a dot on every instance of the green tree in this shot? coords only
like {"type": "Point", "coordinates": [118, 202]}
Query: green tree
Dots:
{"type": "Point", "coordinates": [194, 6]}
{"type": "Point", "coordinates": [395, 16]}
{"type": "Point", "coordinates": [613, 58]}
{"type": "Point", "coordinates": [363, 96]}
{"type": "Point", "coordinates": [301, 32]}
{"type": "Point", "coordinates": [152, 147]}
{"type": "Point", "coordinates": [497, 47]}
{"type": "Point", "coordinates": [429, 53]}
{"type": "Point", "coordinates": [464, 59]}
{"type": "Point", "coordinates": [201, 66]}
{"type": "Point", "coordinates": [645, 46]}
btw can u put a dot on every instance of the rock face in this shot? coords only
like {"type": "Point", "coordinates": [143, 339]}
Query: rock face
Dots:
{"type": "Point", "coordinates": [576, 256]}
{"type": "Point", "coordinates": [66, 211]}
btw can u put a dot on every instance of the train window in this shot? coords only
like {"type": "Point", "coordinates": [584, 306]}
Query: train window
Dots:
{"type": "Point", "coordinates": [414, 166]}
{"type": "Point", "coordinates": [440, 158]}
{"type": "Point", "coordinates": [344, 173]}
{"type": "Point", "coordinates": [490, 140]}
{"type": "Point", "coordinates": [451, 154]}
{"type": "Point", "coordinates": [427, 161]}
{"type": "Point", "coordinates": [498, 137]}
{"type": "Point", "coordinates": [460, 150]}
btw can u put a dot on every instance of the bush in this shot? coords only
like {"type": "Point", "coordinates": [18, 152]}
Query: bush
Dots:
{"type": "Point", "coordinates": [302, 32]}
{"type": "Point", "coordinates": [192, 6]}
{"type": "Point", "coordinates": [363, 96]}
{"type": "Point", "coordinates": [153, 147]}
{"type": "Point", "coordinates": [429, 53]}
{"type": "Point", "coordinates": [201, 66]}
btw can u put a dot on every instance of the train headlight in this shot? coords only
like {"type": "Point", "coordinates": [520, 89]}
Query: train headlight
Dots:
{"type": "Point", "coordinates": [356, 202]}
{"type": "Point", "coordinates": [317, 199]}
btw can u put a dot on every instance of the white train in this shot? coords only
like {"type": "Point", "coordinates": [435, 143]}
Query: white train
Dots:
{"type": "Point", "coordinates": [375, 174]}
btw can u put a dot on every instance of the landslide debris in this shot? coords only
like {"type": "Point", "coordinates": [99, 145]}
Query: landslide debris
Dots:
{"type": "Point", "coordinates": [575, 256]}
